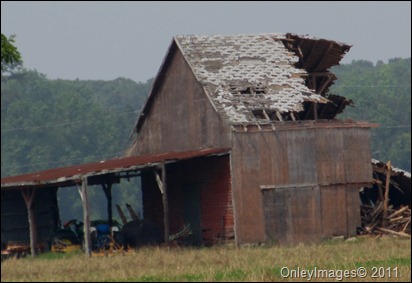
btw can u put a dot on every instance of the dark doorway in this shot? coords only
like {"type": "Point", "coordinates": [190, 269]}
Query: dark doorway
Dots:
{"type": "Point", "coordinates": [191, 199]}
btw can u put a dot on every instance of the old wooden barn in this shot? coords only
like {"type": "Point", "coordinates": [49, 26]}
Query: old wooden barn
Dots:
{"type": "Point", "coordinates": [238, 138]}
{"type": "Point", "coordinates": [292, 171]}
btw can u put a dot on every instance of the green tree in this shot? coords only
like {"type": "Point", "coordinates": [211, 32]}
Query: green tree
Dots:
{"type": "Point", "coordinates": [10, 55]}
{"type": "Point", "coordinates": [382, 94]}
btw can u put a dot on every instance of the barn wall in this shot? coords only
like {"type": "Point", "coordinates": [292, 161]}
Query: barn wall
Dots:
{"type": "Point", "coordinates": [335, 161]}
{"type": "Point", "coordinates": [211, 177]}
{"type": "Point", "coordinates": [14, 221]}
{"type": "Point", "coordinates": [180, 116]}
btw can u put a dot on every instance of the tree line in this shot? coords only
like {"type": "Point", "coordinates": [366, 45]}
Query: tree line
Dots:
{"type": "Point", "coordinates": [52, 123]}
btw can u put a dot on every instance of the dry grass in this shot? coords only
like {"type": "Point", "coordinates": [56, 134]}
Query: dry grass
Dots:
{"type": "Point", "coordinates": [223, 263]}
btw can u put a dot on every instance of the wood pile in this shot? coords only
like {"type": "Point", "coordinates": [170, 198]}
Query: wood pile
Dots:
{"type": "Point", "coordinates": [380, 217]}
{"type": "Point", "coordinates": [397, 222]}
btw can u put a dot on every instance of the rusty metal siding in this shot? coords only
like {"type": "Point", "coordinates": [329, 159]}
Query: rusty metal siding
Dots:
{"type": "Point", "coordinates": [353, 219]}
{"type": "Point", "coordinates": [330, 160]}
{"type": "Point", "coordinates": [181, 116]}
{"type": "Point", "coordinates": [357, 155]}
{"type": "Point", "coordinates": [292, 215]}
{"type": "Point", "coordinates": [14, 219]}
{"type": "Point", "coordinates": [301, 157]}
{"type": "Point", "coordinates": [320, 156]}
{"type": "Point", "coordinates": [310, 213]}
{"type": "Point", "coordinates": [334, 206]}
{"type": "Point", "coordinates": [259, 158]}
{"type": "Point", "coordinates": [211, 175]}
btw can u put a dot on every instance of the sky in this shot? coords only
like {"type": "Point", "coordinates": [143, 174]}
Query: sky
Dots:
{"type": "Point", "coordinates": [105, 40]}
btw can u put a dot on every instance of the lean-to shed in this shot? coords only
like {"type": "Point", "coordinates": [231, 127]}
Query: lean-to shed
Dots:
{"type": "Point", "coordinates": [292, 171]}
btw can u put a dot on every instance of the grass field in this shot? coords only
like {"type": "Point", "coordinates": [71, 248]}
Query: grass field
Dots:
{"type": "Point", "coordinates": [388, 258]}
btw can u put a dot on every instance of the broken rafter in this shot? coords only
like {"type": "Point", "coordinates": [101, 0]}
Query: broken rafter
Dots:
{"type": "Point", "coordinates": [279, 116]}
{"type": "Point", "coordinates": [132, 213]}
{"type": "Point", "coordinates": [325, 55]}
{"type": "Point", "coordinates": [326, 83]}
{"type": "Point", "coordinates": [121, 214]}
{"type": "Point", "coordinates": [311, 52]}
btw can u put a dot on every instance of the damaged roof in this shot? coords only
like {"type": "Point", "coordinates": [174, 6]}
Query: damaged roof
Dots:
{"type": "Point", "coordinates": [249, 77]}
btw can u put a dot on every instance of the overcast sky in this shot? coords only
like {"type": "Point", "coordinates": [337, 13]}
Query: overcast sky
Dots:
{"type": "Point", "coordinates": [107, 40]}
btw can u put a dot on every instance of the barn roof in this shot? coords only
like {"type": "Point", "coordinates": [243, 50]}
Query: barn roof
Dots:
{"type": "Point", "coordinates": [72, 175]}
{"type": "Point", "coordinates": [249, 77]}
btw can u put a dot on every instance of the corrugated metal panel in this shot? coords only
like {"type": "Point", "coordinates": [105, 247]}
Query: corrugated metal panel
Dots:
{"type": "Point", "coordinates": [330, 160]}
{"type": "Point", "coordinates": [334, 205]}
{"type": "Point", "coordinates": [357, 155]}
{"type": "Point", "coordinates": [299, 156]}
{"type": "Point", "coordinates": [74, 174]}
{"type": "Point", "coordinates": [353, 214]}
{"type": "Point", "coordinates": [295, 217]}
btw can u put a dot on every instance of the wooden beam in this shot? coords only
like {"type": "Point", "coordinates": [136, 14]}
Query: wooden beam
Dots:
{"type": "Point", "coordinates": [121, 214]}
{"type": "Point", "coordinates": [314, 85]}
{"type": "Point", "coordinates": [132, 213]}
{"type": "Point", "coordinates": [279, 116]}
{"type": "Point", "coordinates": [312, 49]}
{"type": "Point", "coordinates": [386, 198]}
{"type": "Point", "coordinates": [322, 59]}
{"type": "Point", "coordinates": [107, 189]}
{"type": "Point", "coordinates": [165, 205]}
{"type": "Point", "coordinates": [326, 83]}
{"type": "Point", "coordinates": [315, 110]}
{"type": "Point", "coordinates": [86, 216]}
{"type": "Point", "coordinates": [162, 183]}
{"type": "Point", "coordinates": [159, 182]}
{"type": "Point", "coordinates": [28, 196]}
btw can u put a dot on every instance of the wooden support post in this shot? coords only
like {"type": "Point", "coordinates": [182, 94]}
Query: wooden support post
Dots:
{"type": "Point", "coordinates": [28, 196]}
{"type": "Point", "coordinates": [315, 110]}
{"type": "Point", "coordinates": [162, 183]}
{"type": "Point", "coordinates": [165, 204]}
{"type": "Point", "coordinates": [386, 198]}
{"type": "Point", "coordinates": [86, 216]}
{"type": "Point", "coordinates": [121, 214]}
{"type": "Point", "coordinates": [132, 213]}
{"type": "Point", "coordinates": [107, 189]}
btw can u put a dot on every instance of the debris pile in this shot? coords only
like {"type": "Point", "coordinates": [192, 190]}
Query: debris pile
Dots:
{"type": "Point", "coordinates": [384, 211]}
{"type": "Point", "coordinates": [397, 222]}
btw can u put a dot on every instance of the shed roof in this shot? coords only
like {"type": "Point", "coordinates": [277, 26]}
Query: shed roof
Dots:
{"type": "Point", "coordinates": [71, 175]}
{"type": "Point", "coordinates": [249, 72]}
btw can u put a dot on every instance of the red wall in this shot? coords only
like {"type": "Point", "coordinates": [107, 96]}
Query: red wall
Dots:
{"type": "Point", "coordinates": [212, 176]}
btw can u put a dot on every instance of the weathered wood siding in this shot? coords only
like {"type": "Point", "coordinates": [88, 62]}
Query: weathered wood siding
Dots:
{"type": "Point", "coordinates": [14, 221]}
{"type": "Point", "coordinates": [336, 161]}
{"type": "Point", "coordinates": [181, 117]}
{"type": "Point", "coordinates": [310, 213]}
{"type": "Point", "coordinates": [209, 175]}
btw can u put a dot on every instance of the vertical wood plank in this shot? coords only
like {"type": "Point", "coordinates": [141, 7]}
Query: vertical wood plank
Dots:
{"type": "Point", "coordinates": [165, 204]}
{"type": "Point", "coordinates": [28, 196]}
{"type": "Point", "coordinates": [86, 216]}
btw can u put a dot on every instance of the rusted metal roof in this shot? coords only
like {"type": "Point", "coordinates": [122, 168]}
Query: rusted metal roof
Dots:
{"type": "Point", "coordinates": [71, 175]}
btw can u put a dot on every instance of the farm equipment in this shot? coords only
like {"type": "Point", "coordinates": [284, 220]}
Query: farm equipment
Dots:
{"type": "Point", "coordinates": [19, 249]}
{"type": "Point", "coordinates": [67, 238]}
{"type": "Point", "coordinates": [71, 236]}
